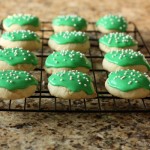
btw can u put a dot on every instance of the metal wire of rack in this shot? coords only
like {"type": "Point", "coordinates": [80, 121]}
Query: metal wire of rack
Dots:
{"type": "Point", "coordinates": [42, 101]}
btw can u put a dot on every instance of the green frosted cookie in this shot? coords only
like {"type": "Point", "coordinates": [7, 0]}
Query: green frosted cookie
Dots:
{"type": "Point", "coordinates": [70, 22]}
{"type": "Point", "coordinates": [72, 80]}
{"type": "Point", "coordinates": [124, 59]}
{"type": "Point", "coordinates": [13, 80]}
{"type": "Point", "coordinates": [69, 37]}
{"type": "Point", "coordinates": [15, 56]}
{"type": "Point", "coordinates": [16, 84]}
{"type": "Point", "coordinates": [120, 40]}
{"type": "Point", "coordinates": [112, 23]}
{"type": "Point", "coordinates": [17, 59]}
{"type": "Point", "coordinates": [128, 80]}
{"type": "Point", "coordinates": [117, 41]}
{"type": "Point", "coordinates": [25, 39]}
{"type": "Point", "coordinates": [68, 59]}
{"type": "Point", "coordinates": [21, 22]}
{"type": "Point", "coordinates": [78, 41]}
{"type": "Point", "coordinates": [21, 19]}
{"type": "Point", "coordinates": [20, 35]}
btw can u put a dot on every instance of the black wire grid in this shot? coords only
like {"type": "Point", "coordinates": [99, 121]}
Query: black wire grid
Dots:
{"type": "Point", "coordinates": [42, 101]}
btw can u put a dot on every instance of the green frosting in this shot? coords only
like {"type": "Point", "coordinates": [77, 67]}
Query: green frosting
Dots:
{"type": "Point", "coordinates": [21, 19]}
{"type": "Point", "coordinates": [117, 40]}
{"type": "Point", "coordinates": [21, 35]}
{"type": "Point", "coordinates": [73, 80]}
{"type": "Point", "coordinates": [13, 80]}
{"type": "Point", "coordinates": [113, 22]}
{"type": "Point", "coordinates": [69, 37]}
{"type": "Point", "coordinates": [128, 80]}
{"type": "Point", "coordinates": [70, 20]}
{"type": "Point", "coordinates": [127, 57]}
{"type": "Point", "coordinates": [67, 59]}
{"type": "Point", "coordinates": [14, 56]}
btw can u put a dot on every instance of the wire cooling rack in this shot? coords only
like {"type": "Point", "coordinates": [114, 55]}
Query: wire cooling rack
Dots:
{"type": "Point", "coordinates": [42, 101]}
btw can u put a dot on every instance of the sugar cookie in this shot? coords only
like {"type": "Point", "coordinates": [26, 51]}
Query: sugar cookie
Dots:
{"type": "Point", "coordinates": [125, 59]}
{"type": "Point", "coordinates": [71, 85]}
{"type": "Point", "coordinates": [117, 41]}
{"type": "Point", "coordinates": [77, 41]}
{"type": "Point", "coordinates": [129, 84]}
{"type": "Point", "coordinates": [25, 39]}
{"type": "Point", "coordinates": [17, 59]}
{"type": "Point", "coordinates": [69, 23]}
{"type": "Point", "coordinates": [16, 84]}
{"type": "Point", "coordinates": [21, 22]}
{"type": "Point", "coordinates": [112, 23]}
{"type": "Point", "coordinates": [67, 60]}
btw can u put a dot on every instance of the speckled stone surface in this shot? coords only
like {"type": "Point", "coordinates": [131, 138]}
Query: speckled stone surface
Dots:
{"type": "Point", "coordinates": [74, 131]}
{"type": "Point", "coordinates": [51, 131]}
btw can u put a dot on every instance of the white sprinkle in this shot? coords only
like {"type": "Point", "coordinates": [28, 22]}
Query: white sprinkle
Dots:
{"type": "Point", "coordinates": [122, 77]}
{"type": "Point", "coordinates": [130, 82]}
{"type": "Point", "coordinates": [85, 84]}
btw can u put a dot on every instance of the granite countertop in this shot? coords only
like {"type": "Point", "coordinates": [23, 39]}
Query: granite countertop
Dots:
{"type": "Point", "coordinates": [52, 131]}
